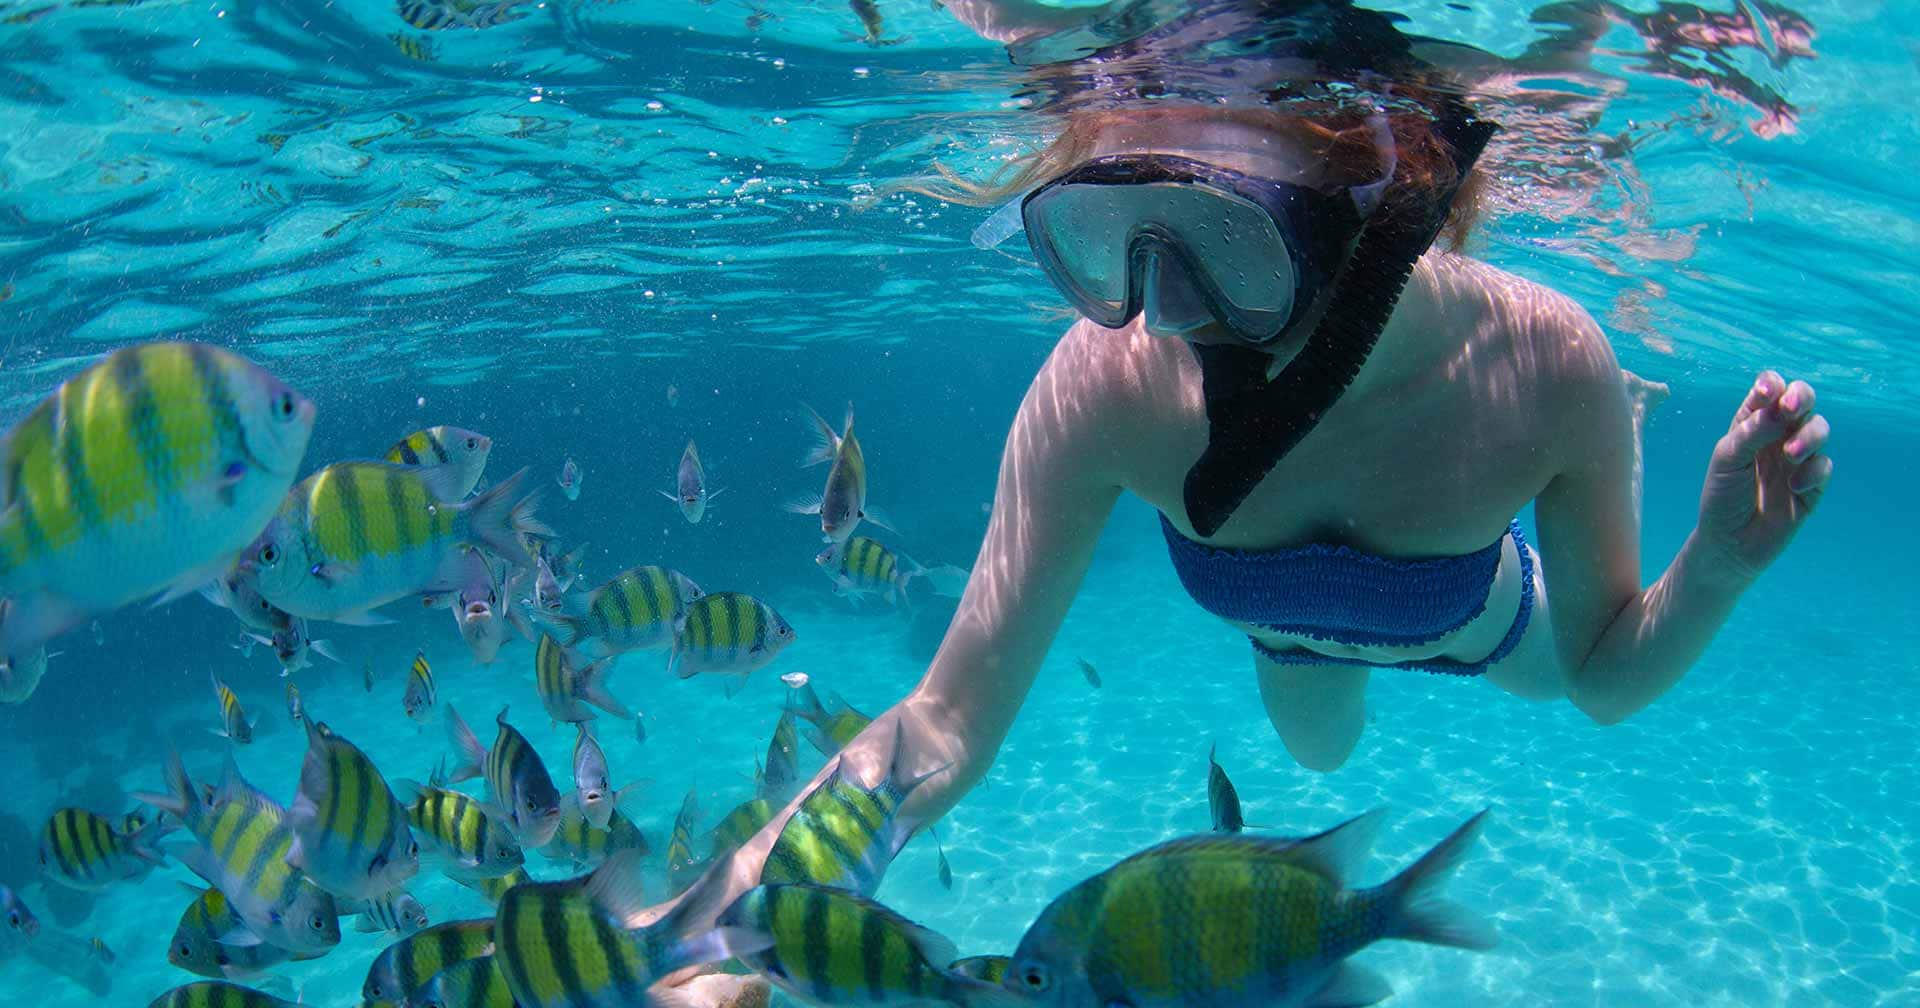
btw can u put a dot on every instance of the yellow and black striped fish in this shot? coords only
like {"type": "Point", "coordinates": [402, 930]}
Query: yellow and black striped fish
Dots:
{"type": "Point", "coordinates": [243, 850]}
{"type": "Point", "coordinates": [217, 994]}
{"type": "Point", "coordinates": [402, 971]}
{"type": "Point", "coordinates": [845, 835]}
{"type": "Point", "coordinates": [829, 726]}
{"type": "Point", "coordinates": [467, 844]}
{"type": "Point", "coordinates": [196, 946]}
{"type": "Point", "coordinates": [739, 826]}
{"type": "Point", "coordinates": [397, 912]}
{"type": "Point", "coordinates": [1270, 919]}
{"type": "Point", "coordinates": [586, 845]}
{"type": "Point", "coordinates": [864, 567]}
{"type": "Point", "coordinates": [570, 943]}
{"type": "Point", "coordinates": [728, 634]}
{"type": "Point", "coordinates": [465, 450]}
{"type": "Point", "coordinates": [419, 49]}
{"type": "Point", "coordinates": [636, 611]}
{"type": "Point", "coordinates": [517, 781]}
{"type": "Point", "coordinates": [82, 850]}
{"type": "Point", "coordinates": [494, 888]}
{"type": "Point", "coordinates": [350, 832]}
{"type": "Point", "coordinates": [476, 983]}
{"type": "Point", "coordinates": [682, 867]}
{"type": "Point", "coordinates": [988, 968]}
{"type": "Point", "coordinates": [234, 723]}
{"type": "Point", "coordinates": [144, 473]}
{"type": "Point", "coordinates": [357, 535]}
{"type": "Point", "coordinates": [831, 947]}
{"type": "Point", "coordinates": [563, 683]}
{"type": "Point", "coordinates": [418, 700]}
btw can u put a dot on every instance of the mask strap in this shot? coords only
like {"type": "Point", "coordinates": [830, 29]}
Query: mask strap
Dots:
{"type": "Point", "coordinates": [1252, 423]}
{"type": "Point", "coordinates": [1000, 225]}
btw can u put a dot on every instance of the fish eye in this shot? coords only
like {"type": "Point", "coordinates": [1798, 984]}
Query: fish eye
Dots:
{"type": "Point", "coordinates": [269, 555]}
{"type": "Point", "coordinates": [532, 806]}
{"type": "Point", "coordinates": [283, 405]}
{"type": "Point", "coordinates": [473, 444]}
{"type": "Point", "coordinates": [319, 922]}
{"type": "Point", "coordinates": [1034, 977]}
{"type": "Point", "coordinates": [13, 918]}
{"type": "Point", "coordinates": [413, 847]}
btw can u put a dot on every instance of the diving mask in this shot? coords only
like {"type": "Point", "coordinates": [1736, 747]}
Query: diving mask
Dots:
{"type": "Point", "coordinates": [1191, 242]}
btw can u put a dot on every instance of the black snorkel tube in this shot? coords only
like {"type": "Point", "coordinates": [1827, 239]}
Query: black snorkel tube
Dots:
{"type": "Point", "coordinates": [1254, 421]}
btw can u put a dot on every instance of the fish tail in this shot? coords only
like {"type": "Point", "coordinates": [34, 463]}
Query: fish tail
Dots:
{"type": "Point", "coordinates": [497, 519]}
{"type": "Point", "coordinates": [826, 444]}
{"type": "Point", "coordinates": [466, 746]}
{"type": "Point", "coordinates": [182, 800]}
{"type": "Point", "coordinates": [590, 685]}
{"type": "Point", "coordinates": [1414, 905]}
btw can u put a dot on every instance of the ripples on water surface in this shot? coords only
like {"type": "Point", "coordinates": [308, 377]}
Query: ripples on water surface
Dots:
{"type": "Point", "coordinates": [538, 228]}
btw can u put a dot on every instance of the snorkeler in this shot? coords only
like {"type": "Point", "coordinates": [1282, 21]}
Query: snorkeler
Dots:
{"type": "Point", "coordinates": [1337, 421]}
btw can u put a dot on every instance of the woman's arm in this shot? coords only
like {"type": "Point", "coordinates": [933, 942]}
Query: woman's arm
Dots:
{"type": "Point", "coordinates": [1621, 647]}
{"type": "Point", "coordinates": [1058, 483]}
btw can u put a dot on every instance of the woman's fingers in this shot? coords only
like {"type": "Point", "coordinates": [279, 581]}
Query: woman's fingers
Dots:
{"type": "Point", "coordinates": [1797, 401]}
{"type": "Point", "coordinates": [1807, 441]}
{"type": "Point", "coordinates": [1766, 388]}
{"type": "Point", "coordinates": [1810, 478]}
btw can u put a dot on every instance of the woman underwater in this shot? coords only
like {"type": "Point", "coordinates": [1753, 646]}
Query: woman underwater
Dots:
{"type": "Point", "coordinates": [1337, 421]}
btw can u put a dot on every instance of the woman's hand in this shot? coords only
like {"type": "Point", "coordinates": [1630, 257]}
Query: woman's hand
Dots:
{"type": "Point", "coordinates": [1766, 475]}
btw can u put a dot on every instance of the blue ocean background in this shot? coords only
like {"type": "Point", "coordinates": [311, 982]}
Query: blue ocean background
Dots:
{"type": "Point", "coordinates": [689, 206]}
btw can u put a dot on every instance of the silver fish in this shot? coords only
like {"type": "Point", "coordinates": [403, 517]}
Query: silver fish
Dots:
{"type": "Point", "coordinates": [570, 479]}
{"type": "Point", "coordinates": [396, 913]}
{"type": "Point", "coordinates": [690, 487]}
{"type": "Point", "coordinates": [19, 677]}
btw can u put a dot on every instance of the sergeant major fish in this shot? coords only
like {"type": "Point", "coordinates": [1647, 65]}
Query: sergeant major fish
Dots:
{"type": "Point", "coordinates": [197, 946]}
{"type": "Point", "coordinates": [842, 504]}
{"type": "Point", "coordinates": [217, 994]}
{"type": "Point", "coordinates": [402, 971]}
{"type": "Point", "coordinates": [829, 726]}
{"type": "Point", "coordinates": [578, 943]}
{"type": "Point", "coordinates": [357, 535]}
{"type": "Point", "coordinates": [243, 848]}
{"type": "Point", "coordinates": [1249, 921]}
{"type": "Point", "coordinates": [845, 834]}
{"type": "Point", "coordinates": [864, 567]}
{"type": "Point", "coordinates": [234, 723]}
{"type": "Point", "coordinates": [1222, 800]}
{"type": "Point", "coordinates": [570, 479]}
{"type": "Point", "coordinates": [586, 845]}
{"type": "Point", "coordinates": [831, 947]}
{"type": "Point", "coordinates": [464, 450]}
{"type": "Point", "coordinates": [637, 610]}
{"type": "Point", "coordinates": [350, 833]}
{"type": "Point", "coordinates": [728, 634]}
{"type": "Point", "coordinates": [517, 782]}
{"type": "Point", "coordinates": [592, 784]}
{"type": "Point", "coordinates": [565, 686]}
{"type": "Point", "coordinates": [475, 983]}
{"type": "Point", "coordinates": [158, 463]}
{"type": "Point", "coordinates": [782, 773]}
{"type": "Point", "coordinates": [84, 851]}
{"type": "Point", "coordinates": [460, 836]}
{"type": "Point", "coordinates": [396, 913]}
{"type": "Point", "coordinates": [418, 700]}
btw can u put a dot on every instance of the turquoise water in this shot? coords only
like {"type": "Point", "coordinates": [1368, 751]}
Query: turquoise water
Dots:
{"type": "Point", "coordinates": [414, 241]}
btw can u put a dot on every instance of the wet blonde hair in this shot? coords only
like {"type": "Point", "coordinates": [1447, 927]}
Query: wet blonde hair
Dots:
{"type": "Point", "coordinates": [1342, 143]}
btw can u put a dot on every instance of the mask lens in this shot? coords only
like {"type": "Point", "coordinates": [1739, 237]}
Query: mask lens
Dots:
{"type": "Point", "coordinates": [1092, 237]}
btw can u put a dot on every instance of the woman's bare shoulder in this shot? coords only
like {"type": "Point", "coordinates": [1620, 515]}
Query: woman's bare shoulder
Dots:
{"type": "Point", "coordinates": [1556, 337]}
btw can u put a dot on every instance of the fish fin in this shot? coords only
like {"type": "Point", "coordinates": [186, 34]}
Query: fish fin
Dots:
{"type": "Point", "coordinates": [239, 935]}
{"type": "Point", "coordinates": [444, 481]}
{"type": "Point", "coordinates": [364, 618]}
{"type": "Point", "coordinates": [628, 790]}
{"type": "Point", "coordinates": [733, 686]}
{"type": "Point", "coordinates": [518, 621]}
{"type": "Point", "coordinates": [323, 648]}
{"type": "Point", "coordinates": [878, 517]}
{"type": "Point", "coordinates": [617, 888]}
{"type": "Point", "coordinates": [406, 791]}
{"type": "Point", "coordinates": [1337, 853]}
{"type": "Point", "coordinates": [826, 444]}
{"type": "Point", "coordinates": [217, 593]}
{"type": "Point", "coordinates": [575, 627]}
{"type": "Point", "coordinates": [718, 945]}
{"type": "Point", "coordinates": [497, 519]}
{"type": "Point", "coordinates": [191, 581]}
{"type": "Point", "coordinates": [1419, 913]}
{"type": "Point", "coordinates": [672, 497]}
{"type": "Point", "coordinates": [591, 685]}
{"type": "Point", "coordinates": [1350, 986]}
{"type": "Point", "coordinates": [181, 798]}
{"type": "Point", "coordinates": [804, 504]}
{"type": "Point", "coordinates": [367, 925]}
{"type": "Point", "coordinates": [472, 755]}
{"type": "Point", "coordinates": [673, 661]}
{"type": "Point", "coordinates": [712, 494]}
{"type": "Point", "coordinates": [938, 948]}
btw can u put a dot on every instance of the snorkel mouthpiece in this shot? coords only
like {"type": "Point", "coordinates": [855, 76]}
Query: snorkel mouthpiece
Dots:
{"type": "Point", "coordinates": [1253, 422]}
